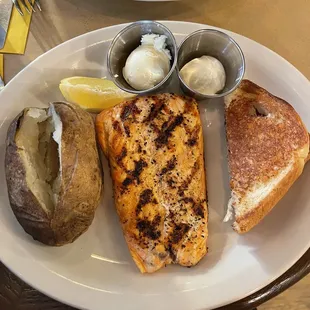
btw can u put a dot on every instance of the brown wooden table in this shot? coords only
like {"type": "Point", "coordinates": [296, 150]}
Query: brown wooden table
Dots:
{"type": "Point", "coordinates": [281, 25]}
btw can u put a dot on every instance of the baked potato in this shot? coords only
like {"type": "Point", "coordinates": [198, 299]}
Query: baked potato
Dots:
{"type": "Point", "coordinates": [53, 172]}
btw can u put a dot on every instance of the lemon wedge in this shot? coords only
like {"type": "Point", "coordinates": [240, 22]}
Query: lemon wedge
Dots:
{"type": "Point", "coordinates": [92, 94]}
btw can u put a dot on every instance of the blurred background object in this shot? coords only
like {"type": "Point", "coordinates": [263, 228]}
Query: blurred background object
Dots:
{"type": "Point", "coordinates": [5, 15]}
{"type": "Point", "coordinates": [26, 5]}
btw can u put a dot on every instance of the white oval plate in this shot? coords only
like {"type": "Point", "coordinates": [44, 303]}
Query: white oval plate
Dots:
{"type": "Point", "coordinates": [96, 271]}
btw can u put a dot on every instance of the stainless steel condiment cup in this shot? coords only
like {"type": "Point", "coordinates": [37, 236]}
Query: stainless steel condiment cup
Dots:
{"type": "Point", "coordinates": [217, 44]}
{"type": "Point", "coordinates": [129, 39]}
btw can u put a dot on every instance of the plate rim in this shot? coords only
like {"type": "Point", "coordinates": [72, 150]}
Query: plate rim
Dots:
{"type": "Point", "coordinates": [118, 27]}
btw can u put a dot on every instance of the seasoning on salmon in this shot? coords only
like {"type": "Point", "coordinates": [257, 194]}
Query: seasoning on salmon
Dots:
{"type": "Point", "coordinates": [155, 149]}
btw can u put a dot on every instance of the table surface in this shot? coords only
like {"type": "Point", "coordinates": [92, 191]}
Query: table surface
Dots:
{"type": "Point", "coordinates": [281, 25]}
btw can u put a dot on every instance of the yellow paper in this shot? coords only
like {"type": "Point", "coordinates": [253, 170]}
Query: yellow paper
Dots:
{"type": "Point", "coordinates": [1, 66]}
{"type": "Point", "coordinates": [17, 35]}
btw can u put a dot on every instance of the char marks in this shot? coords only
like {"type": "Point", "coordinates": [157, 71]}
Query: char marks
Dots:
{"type": "Point", "coordinates": [192, 141]}
{"type": "Point", "coordinates": [171, 252]}
{"type": "Point", "coordinates": [170, 165]}
{"type": "Point", "coordinates": [127, 182]}
{"type": "Point", "coordinates": [156, 107]}
{"type": "Point", "coordinates": [167, 130]}
{"type": "Point", "coordinates": [121, 156]}
{"type": "Point", "coordinates": [134, 175]}
{"type": "Point", "coordinates": [189, 179]}
{"type": "Point", "coordinates": [145, 197]}
{"type": "Point", "coordinates": [127, 130]}
{"type": "Point", "coordinates": [193, 137]}
{"type": "Point", "coordinates": [178, 233]}
{"type": "Point", "coordinates": [139, 165]}
{"type": "Point", "coordinates": [196, 206]}
{"type": "Point", "coordinates": [150, 229]}
{"type": "Point", "coordinates": [171, 183]}
{"type": "Point", "coordinates": [130, 109]}
{"type": "Point", "coordinates": [116, 126]}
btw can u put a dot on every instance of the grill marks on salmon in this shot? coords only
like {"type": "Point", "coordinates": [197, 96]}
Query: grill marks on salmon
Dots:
{"type": "Point", "coordinates": [155, 149]}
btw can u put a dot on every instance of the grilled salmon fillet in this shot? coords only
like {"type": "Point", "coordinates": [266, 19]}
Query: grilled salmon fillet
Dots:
{"type": "Point", "coordinates": [155, 149]}
{"type": "Point", "coordinates": [268, 147]}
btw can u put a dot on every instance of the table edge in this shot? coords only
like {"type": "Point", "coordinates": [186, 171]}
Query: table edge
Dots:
{"type": "Point", "coordinates": [298, 271]}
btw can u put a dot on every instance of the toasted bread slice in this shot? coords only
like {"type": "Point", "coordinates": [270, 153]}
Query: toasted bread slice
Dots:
{"type": "Point", "coordinates": [268, 146]}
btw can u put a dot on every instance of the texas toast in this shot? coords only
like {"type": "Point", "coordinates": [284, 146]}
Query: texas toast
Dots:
{"type": "Point", "coordinates": [268, 146]}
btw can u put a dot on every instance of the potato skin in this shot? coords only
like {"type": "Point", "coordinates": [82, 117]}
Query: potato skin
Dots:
{"type": "Point", "coordinates": [24, 204]}
{"type": "Point", "coordinates": [81, 181]}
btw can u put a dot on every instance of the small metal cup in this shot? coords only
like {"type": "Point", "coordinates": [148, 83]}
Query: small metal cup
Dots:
{"type": "Point", "coordinates": [217, 44]}
{"type": "Point", "coordinates": [129, 39]}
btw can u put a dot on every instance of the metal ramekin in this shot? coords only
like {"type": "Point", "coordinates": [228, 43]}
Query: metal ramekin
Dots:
{"type": "Point", "coordinates": [126, 41]}
{"type": "Point", "coordinates": [217, 44]}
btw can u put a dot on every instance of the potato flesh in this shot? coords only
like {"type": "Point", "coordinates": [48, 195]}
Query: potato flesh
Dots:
{"type": "Point", "coordinates": [40, 156]}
